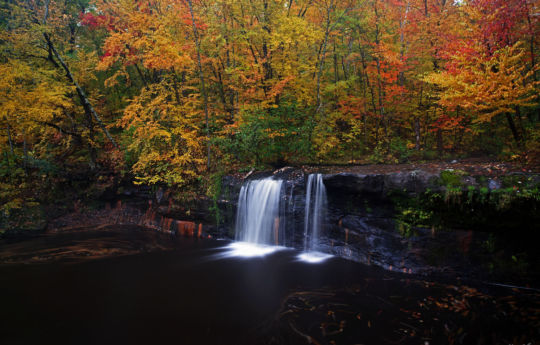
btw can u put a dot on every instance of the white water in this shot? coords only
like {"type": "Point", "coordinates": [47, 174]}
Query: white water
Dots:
{"type": "Point", "coordinates": [315, 211]}
{"type": "Point", "coordinates": [313, 257]}
{"type": "Point", "coordinates": [257, 218]}
{"type": "Point", "coordinates": [261, 216]}
{"type": "Point", "coordinates": [248, 250]}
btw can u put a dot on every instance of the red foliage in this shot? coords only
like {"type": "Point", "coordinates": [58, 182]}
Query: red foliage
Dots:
{"type": "Point", "coordinates": [447, 122]}
{"type": "Point", "coordinates": [504, 23]}
{"type": "Point", "coordinates": [186, 18]}
{"type": "Point", "coordinates": [456, 47]}
{"type": "Point", "coordinates": [352, 105]}
{"type": "Point", "coordinates": [94, 21]}
{"type": "Point", "coordinates": [91, 20]}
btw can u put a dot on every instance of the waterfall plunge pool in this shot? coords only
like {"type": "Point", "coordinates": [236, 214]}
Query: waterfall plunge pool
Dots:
{"type": "Point", "coordinates": [250, 250]}
{"type": "Point", "coordinates": [127, 285]}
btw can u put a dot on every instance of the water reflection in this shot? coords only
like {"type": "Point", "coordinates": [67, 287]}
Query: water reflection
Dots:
{"type": "Point", "coordinates": [150, 289]}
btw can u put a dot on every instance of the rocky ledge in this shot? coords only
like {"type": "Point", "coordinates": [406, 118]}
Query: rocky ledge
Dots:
{"type": "Point", "coordinates": [415, 221]}
{"type": "Point", "coordinates": [422, 220]}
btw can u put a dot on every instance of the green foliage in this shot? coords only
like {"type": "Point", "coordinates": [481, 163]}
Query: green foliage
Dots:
{"type": "Point", "coordinates": [19, 214]}
{"type": "Point", "coordinates": [411, 217]}
{"type": "Point", "coordinates": [429, 154]}
{"type": "Point", "coordinates": [214, 191]}
{"type": "Point", "coordinates": [378, 155]}
{"type": "Point", "coordinates": [451, 178]}
{"type": "Point", "coordinates": [399, 150]}
{"type": "Point", "coordinates": [470, 208]}
{"type": "Point", "coordinates": [331, 85]}
{"type": "Point", "coordinates": [391, 153]}
{"type": "Point", "coordinates": [412, 212]}
{"type": "Point", "coordinates": [269, 136]}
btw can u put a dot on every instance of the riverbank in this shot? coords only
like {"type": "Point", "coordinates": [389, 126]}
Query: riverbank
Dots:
{"type": "Point", "coordinates": [466, 218]}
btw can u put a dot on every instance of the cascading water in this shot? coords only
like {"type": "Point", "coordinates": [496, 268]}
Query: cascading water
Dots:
{"type": "Point", "coordinates": [257, 218]}
{"type": "Point", "coordinates": [261, 223]}
{"type": "Point", "coordinates": [315, 211]}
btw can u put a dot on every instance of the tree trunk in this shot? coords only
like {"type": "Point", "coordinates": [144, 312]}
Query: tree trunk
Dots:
{"type": "Point", "coordinates": [521, 126]}
{"type": "Point", "coordinates": [322, 56]}
{"type": "Point", "coordinates": [336, 73]}
{"type": "Point", "coordinates": [372, 93]}
{"type": "Point", "coordinates": [91, 148]}
{"type": "Point", "coordinates": [80, 92]}
{"type": "Point", "coordinates": [8, 165]}
{"type": "Point", "coordinates": [440, 142]}
{"type": "Point", "coordinates": [139, 72]}
{"type": "Point", "coordinates": [25, 151]}
{"type": "Point", "coordinates": [513, 128]}
{"type": "Point", "coordinates": [201, 77]}
{"type": "Point", "coordinates": [417, 133]}
{"type": "Point", "coordinates": [381, 93]}
{"type": "Point", "coordinates": [8, 129]}
{"type": "Point", "coordinates": [11, 148]}
{"type": "Point", "coordinates": [531, 44]}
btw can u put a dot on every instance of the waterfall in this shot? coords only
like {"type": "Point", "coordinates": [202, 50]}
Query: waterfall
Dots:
{"type": "Point", "coordinates": [257, 218]}
{"type": "Point", "coordinates": [315, 211]}
{"type": "Point", "coordinates": [261, 225]}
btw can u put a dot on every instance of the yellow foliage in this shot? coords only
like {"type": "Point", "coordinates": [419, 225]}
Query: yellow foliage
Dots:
{"type": "Point", "coordinates": [488, 85]}
{"type": "Point", "coordinates": [29, 97]}
{"type": "Point", "coordinates": [166, 138]}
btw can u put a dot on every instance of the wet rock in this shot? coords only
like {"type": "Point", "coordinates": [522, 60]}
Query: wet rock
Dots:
{"type": "Point", "coordinates": [159, 195]}
{"type": "Point", "coordinates": [357, 183]}
{"type": "Point", "coordinates": [469, 181]}
{"type": "Point", "coordinates": [415, 182]}
{"type": "Point", "coordinates": [362, 219]}
{"type": "Point", "coordinates": [494, 184]}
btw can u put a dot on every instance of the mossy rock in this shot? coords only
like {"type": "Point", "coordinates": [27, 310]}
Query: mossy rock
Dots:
{"type": "Point", "coordinates": [452, 178]}
{"type": "Point", "coordinates": [519, 181]}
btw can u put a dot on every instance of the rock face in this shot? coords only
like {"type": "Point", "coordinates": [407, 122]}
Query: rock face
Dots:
{"type": "Point", "coordinates": [367, 218]}
{"type": "Point", "coordinates": [359, 224]}
{"type": "Point", "coordinates": [415, 221]}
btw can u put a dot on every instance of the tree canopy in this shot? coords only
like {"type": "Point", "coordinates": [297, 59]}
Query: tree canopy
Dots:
{"type": "Point", "coordinates": [167, 91]}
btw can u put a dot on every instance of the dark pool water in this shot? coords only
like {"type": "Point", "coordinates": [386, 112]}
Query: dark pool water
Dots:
{"type": "Point", "coordinates": [144, 288]}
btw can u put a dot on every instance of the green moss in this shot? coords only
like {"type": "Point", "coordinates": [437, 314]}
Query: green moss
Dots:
{"type": "Point", "coordinates": [214, 192]}
{"type": "Point", "coordinates": [453, 194]}
{"type": "Point", "coordinates": [501, 259]}
{"type": "Point", "coordinates": [367, 207]}
{"type": "Point", "coordinates": [495, 211]}
{"type": "Point", "coordinates": [411, 212]}
{"type": "Point", "coordinates": [482, 180]}
{"type": "Point", "coordinates": [471, 191]}
{"type": "Point", "coordinates": [411, 218]}
{"type": "Point", "coordinates": [511, 181]}
{"type": "Point", "coordinates": [452, 178]}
